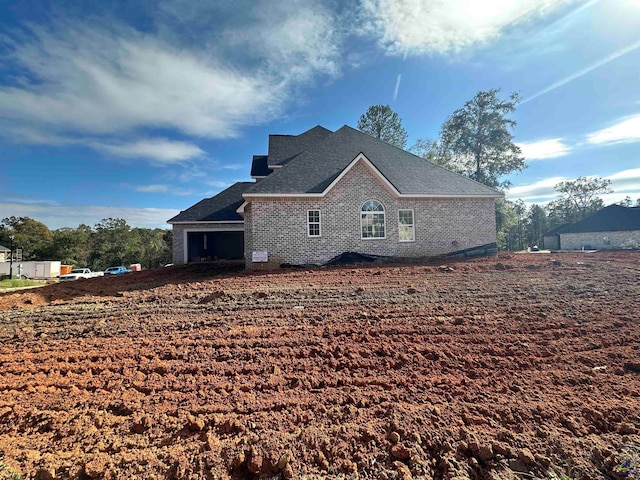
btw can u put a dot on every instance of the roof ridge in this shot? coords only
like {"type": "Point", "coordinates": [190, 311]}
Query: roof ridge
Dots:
{"type": "Point", "coordinates": [300, 134]}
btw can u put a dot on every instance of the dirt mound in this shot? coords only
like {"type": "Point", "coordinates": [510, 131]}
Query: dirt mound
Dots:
{"type": "Point", "coordinates": [115, 285]}
{"type": "Point", "coordinates": [518, 366]}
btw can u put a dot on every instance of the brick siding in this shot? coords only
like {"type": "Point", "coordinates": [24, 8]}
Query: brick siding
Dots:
{"type": "Point", "coordinates": [279, 226]}
{"type": "Point", "coordinates": [600, 240]}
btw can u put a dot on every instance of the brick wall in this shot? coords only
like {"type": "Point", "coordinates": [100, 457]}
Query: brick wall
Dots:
{"type": "Point", "coordinates": [179, 235]}
{"type": "Point", "coordinates": [600, 240]}
{"type": "Point", "coordinates": [279, 226]}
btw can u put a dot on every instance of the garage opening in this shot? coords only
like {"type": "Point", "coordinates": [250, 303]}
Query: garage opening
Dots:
{"type": "Point", "coordinates": [208, 246]}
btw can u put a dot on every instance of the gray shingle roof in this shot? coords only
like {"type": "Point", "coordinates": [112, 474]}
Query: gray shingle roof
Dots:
{"type": "Point", "coordinates": [282, 148]}
{"type": "Point", "coordinates": [314, 169]}
{"type": "Point", "coordinates": [259, 167]}
{"type": "Point", "coordinates": [221, 208]}
{"type": "Point", "coordinates": [4, 249]}
{"type": "Point", "coordinates": [556, 230]}
{"type": "Point", "coordinates": [614, 218]}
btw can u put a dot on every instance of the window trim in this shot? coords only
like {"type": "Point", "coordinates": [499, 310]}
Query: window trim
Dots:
{"type": "Point", "coordinates": [319, 223]}
{"type": "Point", "coordinates": [413, 225]}
{"type": "Point", "coordinates": [384, 219]}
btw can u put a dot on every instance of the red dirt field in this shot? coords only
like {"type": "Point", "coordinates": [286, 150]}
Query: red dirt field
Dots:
{"type": "Point", "coordinates": [517, 366]}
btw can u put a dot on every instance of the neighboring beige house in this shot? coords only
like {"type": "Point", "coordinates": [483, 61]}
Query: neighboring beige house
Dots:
{"type": "Point", "coordinates": [321, 193]}
{"type": "Point", "coordinates": [5, 253]}
{"type": "Point", "coordinates": [612, 228]}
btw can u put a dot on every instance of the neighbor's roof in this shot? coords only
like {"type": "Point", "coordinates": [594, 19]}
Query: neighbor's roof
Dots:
{"type": "Point", "coordinates": [221, 208]}
{"type": "Point", "coordinates": [614, 218]}
{"type": "Point", "coordinates": [4, 249]}
{"type": "Point", "coordinates": [556, 230]}
{"type": "Point", "coordinates": [313, 170]}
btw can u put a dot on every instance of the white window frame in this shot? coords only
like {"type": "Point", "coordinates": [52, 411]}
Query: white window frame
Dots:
{"type": "Point", "coordinates": [319, 223]}
{"type": "Point", "coordinates": [412, 225]}
{"type": "Point", "coordinates": [371, 212]}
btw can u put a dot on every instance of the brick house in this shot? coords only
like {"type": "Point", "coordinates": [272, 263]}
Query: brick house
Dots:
{"type": "Point", "coordinates": [611, 228]}
{"type": "Point", "coordinates": [323, 193]}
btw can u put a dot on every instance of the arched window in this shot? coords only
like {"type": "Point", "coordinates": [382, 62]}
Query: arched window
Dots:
{"type": "Point", "coordinates": [372, 220]}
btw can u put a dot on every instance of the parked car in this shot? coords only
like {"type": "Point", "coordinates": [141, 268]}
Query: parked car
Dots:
{"type": "Point", "coordinates": [78, 274]}
{"type": "Point", "coordinates": [117, 270]}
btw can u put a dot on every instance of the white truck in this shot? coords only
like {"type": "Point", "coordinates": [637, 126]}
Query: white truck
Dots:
{"type": "Point", "coordinates": [79, 273]}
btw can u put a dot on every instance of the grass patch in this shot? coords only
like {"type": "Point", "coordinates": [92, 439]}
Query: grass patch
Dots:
{"type": "Point", "coordinates": [7, 473]}
{"type": "Point", "coordinates": [17, 283]}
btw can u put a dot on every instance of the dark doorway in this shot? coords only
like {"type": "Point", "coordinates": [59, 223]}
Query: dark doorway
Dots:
{"type": "Point", "coordinates": [207, 246]}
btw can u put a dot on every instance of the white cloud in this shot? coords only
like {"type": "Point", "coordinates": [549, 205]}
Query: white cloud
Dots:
{"type": "Point", "coordinates": [218, 183]}
{"type": "Point", "coordinates": [435, 26]}
{"type": "Point", "coordinates": [625, 131]}
{"type": "Point", "coordinates": [161, 188]}
{"type": "Point", "coordinates": [543, 149]}
{"type": "Point", "coordinates": [538, 191]}
{"type": "Point", "coordinates": [92, 83]}
{"type": "Point", "coordinates": [624, 183]}
{"type": "Point", "coordinates": [160, 150]}
{"type": "Point", "coordinates": [59, 216]}
{"type": "Point", "coordinates": [151, 188]}
{"type": "Point", "coordinates": [297, 38]}
{"type": "Point", "coordinates": [157, 150]}
{"type": "Point", "coordinates": [24, 134]}
{"type": "Point", "coordinates": [102, 81]}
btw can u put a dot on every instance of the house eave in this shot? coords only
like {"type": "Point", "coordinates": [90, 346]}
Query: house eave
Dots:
{"type": "Point", "coordinates": [240, 209]}
{"type": "Point", "coordinates": [206, 221]}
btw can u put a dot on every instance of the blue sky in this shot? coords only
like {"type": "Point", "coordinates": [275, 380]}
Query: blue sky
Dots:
{"type": "Point", "coordinates": [137, 110]}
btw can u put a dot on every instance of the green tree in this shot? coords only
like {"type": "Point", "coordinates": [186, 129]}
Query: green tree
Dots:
{"type": "Point", "coordinates": [72, 246]}
{"type": "Point", "coordinates": [157, 247]}
{"type": "Point", "coordinates": [478, 139]}
{"type": "Point", "coordinates": [627, 202]}
{"type": "Point", "coordinates": [537, 224]}
{"type": "Point", "coordinates": [562, 211]}
{"type": "Point", "coordinates": [383, 123]}
{"type": "Point", "coordinates": [515, 230]}
{"type": "Point", "coordinates": [506, 220]}
{"type": "Point", "coordinates": [435, 152]}
{"type": "Point", "coordinates": [32, 236]}
{"type": "Point", "coordinates": [581, 196]}
{"type": "Point", "coordinates": [110, 244]}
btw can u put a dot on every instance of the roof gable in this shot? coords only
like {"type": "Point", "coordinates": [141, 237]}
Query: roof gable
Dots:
{"type": "Point", "coordinates": [220, 208]}
{"type": "Point", "coordinates": [314, 171]}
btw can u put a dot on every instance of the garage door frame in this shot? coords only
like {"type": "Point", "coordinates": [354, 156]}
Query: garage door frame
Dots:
{"type": "Point", "coordinates": [203, 229]}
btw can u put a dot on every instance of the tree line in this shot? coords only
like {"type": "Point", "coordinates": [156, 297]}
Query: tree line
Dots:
{"type": "Point", "coordinates": [476, 141]}
{"type": "Point", "coordinates": [110, 242]}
